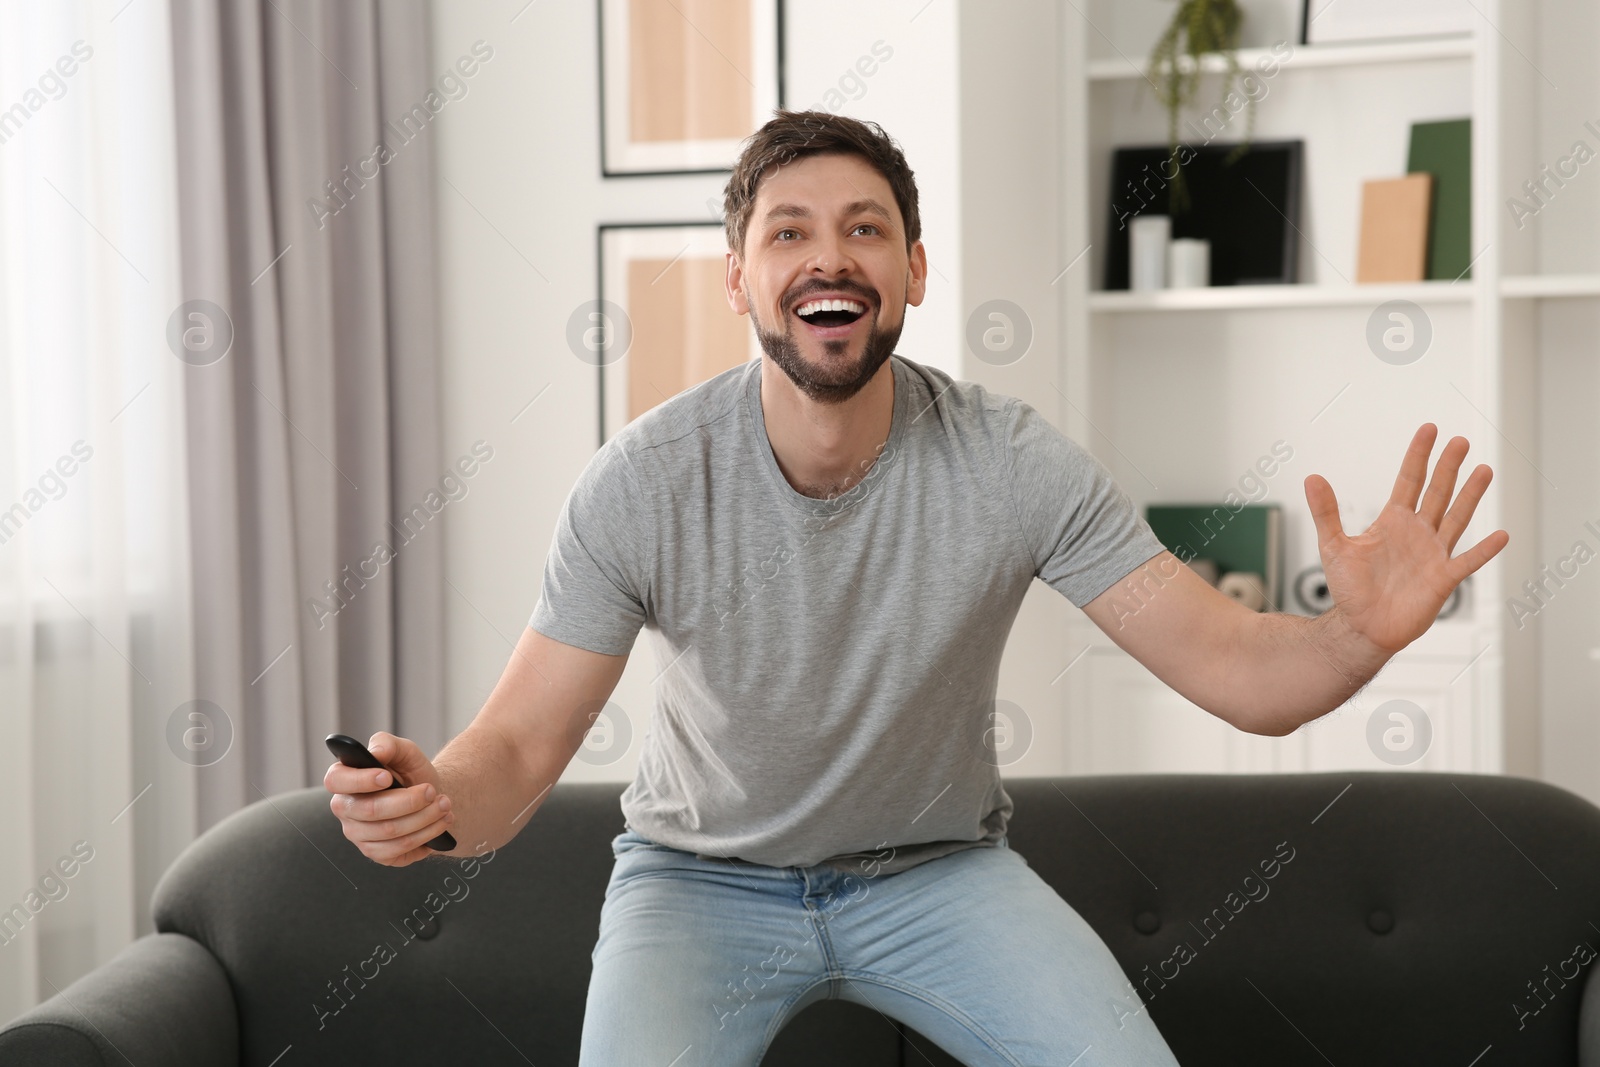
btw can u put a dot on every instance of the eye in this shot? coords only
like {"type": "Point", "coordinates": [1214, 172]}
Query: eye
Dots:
{"type": "Point", "coordinates": [866, 225]}
{"type": "Point", "coordinates": [780, 233]}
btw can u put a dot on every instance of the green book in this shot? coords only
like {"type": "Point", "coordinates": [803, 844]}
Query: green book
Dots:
{"type": "Point", "coordinates": [1444, 150]}
{"type": "Point", "coordinates": [1250, 539]}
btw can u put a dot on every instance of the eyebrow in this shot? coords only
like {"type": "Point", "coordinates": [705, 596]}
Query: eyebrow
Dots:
{"type": "Point", "coordinates": [866, 206]}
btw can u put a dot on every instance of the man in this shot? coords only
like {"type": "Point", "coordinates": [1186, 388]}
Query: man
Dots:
{"type": "Point", "coordinates": [829, 546]}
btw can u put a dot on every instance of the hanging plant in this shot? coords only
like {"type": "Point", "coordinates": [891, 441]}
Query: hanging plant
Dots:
{"type": "Point", "coordinates": [1198, 28]}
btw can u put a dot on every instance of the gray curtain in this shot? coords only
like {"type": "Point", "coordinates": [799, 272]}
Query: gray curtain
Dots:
{"type": "Point", "coordinates": [313, 438]}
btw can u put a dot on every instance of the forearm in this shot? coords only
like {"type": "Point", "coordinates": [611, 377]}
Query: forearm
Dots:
{"type": "Point", "coordinates": [1286, 670]}
{"type": "Point", "coordinates": [500, 770]}
{"type": "Point", "coordinates": [494, 788]}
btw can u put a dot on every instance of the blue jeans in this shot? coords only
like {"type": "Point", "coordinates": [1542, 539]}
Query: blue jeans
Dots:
{"type": "Point", "coordinates": [701, 961]}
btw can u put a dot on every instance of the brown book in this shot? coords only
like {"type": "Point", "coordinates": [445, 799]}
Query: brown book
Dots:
{"type": "Point", "coordinates": [1394, 229]}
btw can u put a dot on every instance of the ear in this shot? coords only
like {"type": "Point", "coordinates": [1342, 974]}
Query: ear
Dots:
{"type": "Point", "coordinates": [733, 283]}
{"type": "Point", "coordinates": [917, 274]}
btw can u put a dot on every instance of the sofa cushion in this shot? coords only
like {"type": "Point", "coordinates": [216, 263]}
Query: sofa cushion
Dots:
{"type": "Point", "coordinates": [1407, 928]}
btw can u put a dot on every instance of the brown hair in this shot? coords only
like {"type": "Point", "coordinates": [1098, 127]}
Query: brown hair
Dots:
{"type": "Point", "coordinates": [792, 135]}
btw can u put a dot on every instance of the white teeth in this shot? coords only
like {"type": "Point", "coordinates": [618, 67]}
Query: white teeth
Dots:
{"type": "Point", "coordinates": [811, 307]}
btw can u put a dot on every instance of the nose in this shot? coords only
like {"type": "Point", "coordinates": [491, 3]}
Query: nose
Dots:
{"type": "Point", "coordinates": [830, 255]}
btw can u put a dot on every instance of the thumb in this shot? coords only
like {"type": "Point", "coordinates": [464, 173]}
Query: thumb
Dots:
{"type": "Point", "coordinates": [1324, 509]}
{"type": "Point", "coordinates": [402, 756]}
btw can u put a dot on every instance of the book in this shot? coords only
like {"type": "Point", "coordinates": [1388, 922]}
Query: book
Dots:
{"type": "Point", "coordinates": [1444, 150]}
{"type": "Point", "coordinates": [1249, 539]}
{"type": "Point", "coordinates": [1394, 229]}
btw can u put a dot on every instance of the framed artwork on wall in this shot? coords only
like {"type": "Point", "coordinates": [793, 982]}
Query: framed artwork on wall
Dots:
{"type": "Point", "coordinates": [1353, 21]}
{"type": "Point", "coordinates": [663, 300]}
{"type": "Point", "coordinates": [682, 82]}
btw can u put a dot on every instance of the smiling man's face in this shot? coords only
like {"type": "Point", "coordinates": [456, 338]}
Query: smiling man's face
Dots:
{"type": "Point", "coordinates": [826, 237]}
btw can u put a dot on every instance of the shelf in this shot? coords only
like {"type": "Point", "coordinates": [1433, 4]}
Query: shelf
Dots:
{"type": "Point", "coordinates": [1224, 297]}
{"type": "Point", "coordinates": [1304, 56]}
{"type": "Point", "coordinates": [1533, 286]}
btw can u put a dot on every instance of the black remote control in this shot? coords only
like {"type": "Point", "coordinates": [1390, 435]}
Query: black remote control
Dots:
{"type": "Point", "coordinates": [352, 753]}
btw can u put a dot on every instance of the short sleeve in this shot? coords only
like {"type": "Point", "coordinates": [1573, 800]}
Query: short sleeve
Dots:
{"type": "Point", "coordinates": [596, 577]}
{"type": "Point", "coordinates": [1083, 531]}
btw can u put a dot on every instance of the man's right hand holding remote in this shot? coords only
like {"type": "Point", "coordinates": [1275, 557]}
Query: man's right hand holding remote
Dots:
{"type": "Point", "coordinates": [390, 826]}
{"type": "Point", "coordinates": [494, 776]}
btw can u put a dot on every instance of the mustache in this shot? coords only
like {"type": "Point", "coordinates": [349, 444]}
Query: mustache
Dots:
{"type": "Point", "coordinates": [866, 296]}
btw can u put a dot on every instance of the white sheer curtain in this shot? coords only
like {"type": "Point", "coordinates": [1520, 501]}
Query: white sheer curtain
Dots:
{"type": "Point", "coordinates": [95, 638]}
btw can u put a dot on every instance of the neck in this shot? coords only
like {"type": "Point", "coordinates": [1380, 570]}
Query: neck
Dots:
{"type": "Point", "coordinates": [825, 450]}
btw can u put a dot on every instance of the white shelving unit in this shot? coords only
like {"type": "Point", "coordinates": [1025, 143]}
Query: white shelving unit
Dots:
{"type": "Point", "coordinates": [1229, 371]}
{"type": "Point", "coordinates": [1304, 56]}
{"type": "Point", "coordinates": [1246, 297]}
{"type": "Point", "coordinates": [1538, 286]}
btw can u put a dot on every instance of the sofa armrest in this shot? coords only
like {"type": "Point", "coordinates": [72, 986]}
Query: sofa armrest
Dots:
{"type": "Point", "coordinates": [163, 999]}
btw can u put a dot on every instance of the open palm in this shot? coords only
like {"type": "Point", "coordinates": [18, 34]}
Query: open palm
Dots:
{"type": "Point", "coordinates": [1390, 581]}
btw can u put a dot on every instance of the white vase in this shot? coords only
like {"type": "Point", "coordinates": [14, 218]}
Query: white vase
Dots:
{"type": "Point", "coordinates": [1147, 251]}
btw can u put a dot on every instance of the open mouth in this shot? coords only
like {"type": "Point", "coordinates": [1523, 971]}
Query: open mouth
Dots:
{"type": "Point", "coordinates": [831, 317]}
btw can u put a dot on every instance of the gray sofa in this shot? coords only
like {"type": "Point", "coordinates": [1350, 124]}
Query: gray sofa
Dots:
{"type": "Point", "coordinates": [1418, 919]}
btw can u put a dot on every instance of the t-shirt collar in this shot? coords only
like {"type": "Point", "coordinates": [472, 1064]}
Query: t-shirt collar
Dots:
{"type": "Point", "coordinates": [876, 473]}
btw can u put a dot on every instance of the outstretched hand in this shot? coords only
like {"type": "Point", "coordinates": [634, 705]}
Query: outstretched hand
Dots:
{"type": "Point", "coordinates": [1390, 582]}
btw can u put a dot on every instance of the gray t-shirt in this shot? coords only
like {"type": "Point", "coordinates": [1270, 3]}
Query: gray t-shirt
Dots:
{"type": "Point", "coordinates": [828, 668]}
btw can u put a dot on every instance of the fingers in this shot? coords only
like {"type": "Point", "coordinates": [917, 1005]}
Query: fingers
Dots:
{"type": "Point", "coordinates": [1444, 481]}
{"type": "Point", "coordinates": [1479, 554]}
{"type": "Point", "coordinates": [1460, 513]}
{"type": "Point", "coordinates": [1414, 468]}
{"type": "Point", "coordinates": [408, 849]}
{"type": "Point", "coordinates": [342, 779]}
{"type": "Point", "coordinates": [399, 754]}
{"type": "Point", "coordinates": [383, 745]}
{"type": "Point", "coordinates": [383, 805]}
{"type": "Point", "coordinates": [389, 826]}
{"type": "Point", "coordinates": [1324, 508]}
{"type": "Point", "coordinates": [432, 816]}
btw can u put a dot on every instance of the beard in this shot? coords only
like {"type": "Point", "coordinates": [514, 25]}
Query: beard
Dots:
{"type": "Point", "coordinates": [837, 380]}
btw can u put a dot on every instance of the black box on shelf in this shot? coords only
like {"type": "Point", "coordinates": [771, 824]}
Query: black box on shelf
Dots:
{"type": "Point", "coordinates": [1249, 208]}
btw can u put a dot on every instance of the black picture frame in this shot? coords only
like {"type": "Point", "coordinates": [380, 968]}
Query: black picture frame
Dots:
{"type": "Point", "coordinates": [607, 167]}
{"type": "Point", "coordinates": [1248, 209]}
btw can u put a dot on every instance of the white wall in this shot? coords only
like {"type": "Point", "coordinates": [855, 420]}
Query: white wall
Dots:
{"type": "Point", "coordinates": [1011, 208]}
{"type": "Point", "coordinates": [1565, 237]}
{"type": "Point", "coordinates": [520, 154]}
